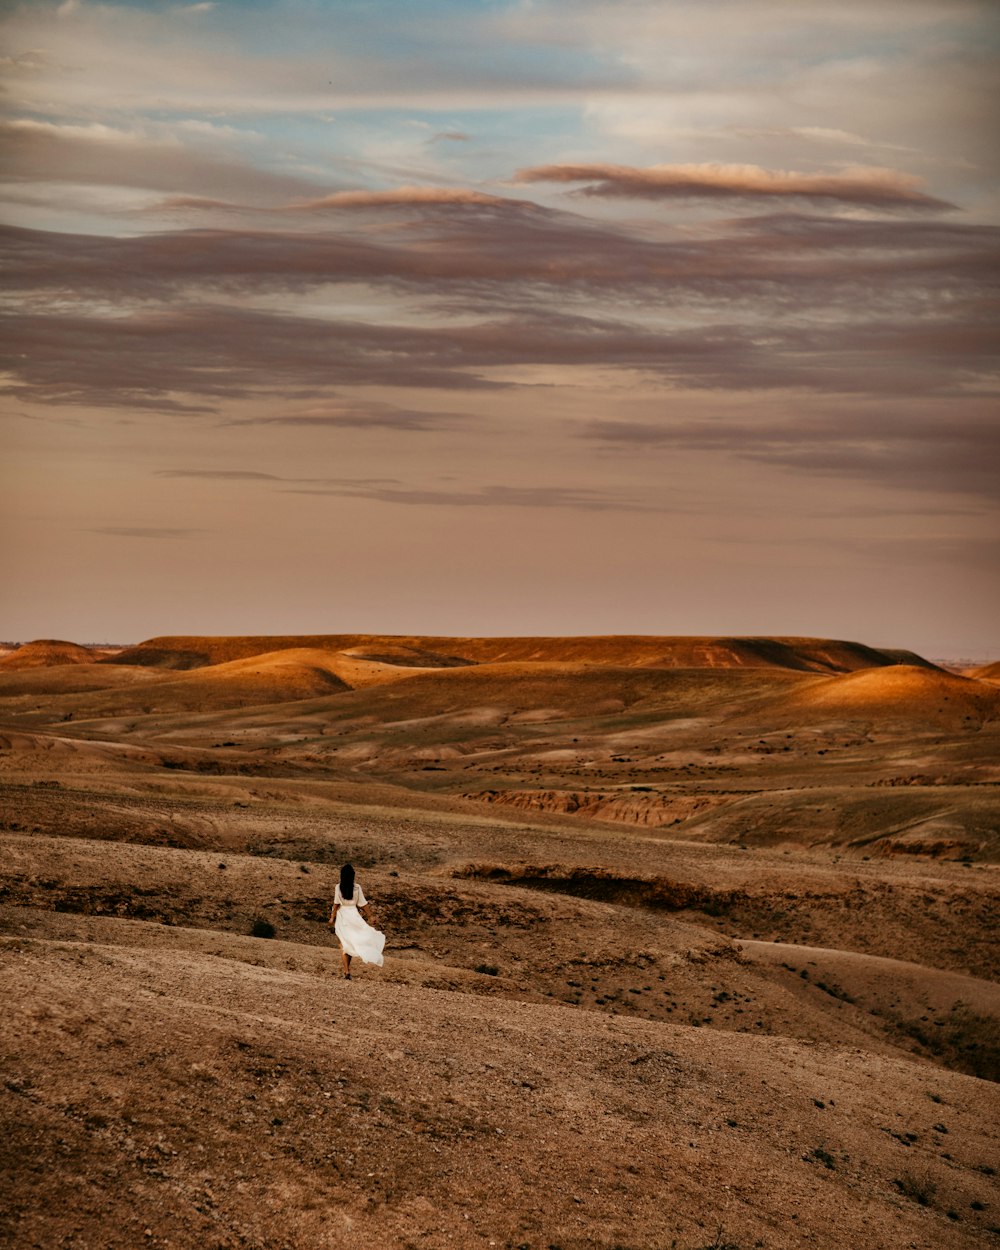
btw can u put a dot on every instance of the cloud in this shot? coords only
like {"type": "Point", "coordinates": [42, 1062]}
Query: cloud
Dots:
{"type": "Point", "coordinates": [156, 359]}
{"type": "Point", "coordinates": [406, 197]}
{"type": "Point", "coordinates": [915, 452]}
{"type": "Point", "coordinates": [195, 203]}
{"type": "Point", "coordinates": [220, 475]}
{"type": "Point", "coordinates": [29, 62]}
{"type": "Point", "coordinates": [473, 250]}
{"type": "Point", "coordinates": [166, 58]}
{"type": "Point", "coordinates": [357, 415]}
{"type": "Point", "coordinates": [391, 490]}
{"type": "Point", "coordinates": [860, 186]}
{"type": "Point", "coordinates": [821, 134]}
{"type": "Point", "coordinates": [145, 531]}
{"type": "Point", "coordinates": [979, 555]}
{"type": "Point", "coordinates": [151, 358]}
{"type": "Point", "coordinates": [781, 258]}
{"type": "Point", "coordinates": [151, 157]}
{"type": "Point", "coordinates": [486, 497]}
{"type": "Point", "coordinates": [168, 322]}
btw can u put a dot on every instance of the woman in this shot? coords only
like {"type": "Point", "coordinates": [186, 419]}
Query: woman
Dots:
{"type": "Point", "coordinates": [357, 937]}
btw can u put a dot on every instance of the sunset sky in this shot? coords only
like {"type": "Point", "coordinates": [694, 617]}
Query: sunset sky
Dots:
{"type": "Point", "coordinates": [502, 316]}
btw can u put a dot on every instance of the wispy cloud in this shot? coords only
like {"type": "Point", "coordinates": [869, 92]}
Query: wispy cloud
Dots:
{"type": "Point", "coordinates": [816, 134]}
{"type": "Point", "coordinates": [487, 497]}
{"type": "Point", "coordinates": [393, 491]}
{"type": "Point", "coordinates": [807, 260]}
{"type": "Point", "coordinates": [220, 475]}
{"type": "Point", "coordinates": [153, 157]}
{"type": "Point", "coordinates": [948, 551]}
{"type": "Point", "coordinates": [868, 187]}
{"type": "Point", "coordinates": [146, 531]}
{"type": "Point", "coordinates": [916, 453]}
{"type": "Point", "coordinates": [359, 416]}
{"type": "Point", "coordinates": [409, 197]}
{"type": "Point", "coordinates": [26, 62]}
{"type": "Point", "coordinates": [160, 360]}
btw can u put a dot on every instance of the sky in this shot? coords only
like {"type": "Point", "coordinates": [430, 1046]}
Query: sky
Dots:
{"type": "Point", "coordinates": [501, 317]}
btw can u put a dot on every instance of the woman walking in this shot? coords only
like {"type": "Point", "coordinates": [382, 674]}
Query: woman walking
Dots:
{"type": "Point", "coordinates": [356, 935]}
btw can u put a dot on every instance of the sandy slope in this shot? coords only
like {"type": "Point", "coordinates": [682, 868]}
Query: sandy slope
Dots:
{"type": "Point", "coordinates": [657, 947]}
{"type": "Point", "coordinates": [29, 684]}
{"type": "Point", "coordinates": [887, 982]}
{"type": "Point", "coordinates": [901, 692]}
{"type": "Point", "coordinates": [216, 1103]}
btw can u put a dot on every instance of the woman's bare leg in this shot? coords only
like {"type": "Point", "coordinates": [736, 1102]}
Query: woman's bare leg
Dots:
{"type": "Point", "coordinates": [345, 959]}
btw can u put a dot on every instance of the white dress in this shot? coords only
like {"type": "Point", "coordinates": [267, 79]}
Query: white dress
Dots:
{"type": "Point", "coordinates": [357, 937]}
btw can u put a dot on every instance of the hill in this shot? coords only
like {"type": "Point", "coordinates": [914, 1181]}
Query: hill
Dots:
{"type": "Point", "coordinates": [800, 654]}
{"type": "Point", "coordinates": [45, 652]}
{"type": "Point", "coordinates": [277, 677]}
{"type": "Point", "coordinates": [754, 754]}
{"type": "Point", "coordinates": [293, 1110]}
{"type": "Point", "coordinates": [904, 692]}
{"type": "Point", "coordinates": [218, 1089]}
{"type": "Point", "coordinates": [690, 943]}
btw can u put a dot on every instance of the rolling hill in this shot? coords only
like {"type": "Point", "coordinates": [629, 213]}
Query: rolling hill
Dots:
{"type": "Point", "coordinates": [802, 654]}
{"type": "Point", "coordinates": [46, 652]}
{"type": "Point", "coordinates": [690, 942]}
{"type": "Point", "coordinates": [902, 692]}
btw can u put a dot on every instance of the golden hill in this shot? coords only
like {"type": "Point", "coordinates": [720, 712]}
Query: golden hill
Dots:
{"type": "Point", "coordinates": [801, 654]}
{"type": "Point", "coordinates": [65, 679]}
{"type": "Point", "coordinates": [45, 652]}
{"type": "Point", "coordinates": [902, 692]}
{"type": "Point", "coordinates": [296, 673]}
{"type": "Point", "coordinates": [275, 678]}
{"type": "Point", "coordinates": [83, 691]}
{"type": "Point", "coordinates": [746, 752]}
{"type": "Point", "coordinates": [269, 677]}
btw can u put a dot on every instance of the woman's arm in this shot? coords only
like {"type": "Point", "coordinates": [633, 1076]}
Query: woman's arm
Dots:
{"type": "Point", "coordinates": [333, 914]}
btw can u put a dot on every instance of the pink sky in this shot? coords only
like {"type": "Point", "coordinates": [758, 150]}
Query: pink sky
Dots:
{"type": "Point", "coordinates": [501, 318]}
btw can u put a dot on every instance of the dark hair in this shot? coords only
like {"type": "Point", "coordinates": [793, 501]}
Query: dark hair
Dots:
{"type": "Point", "coordinates": [347, 882]}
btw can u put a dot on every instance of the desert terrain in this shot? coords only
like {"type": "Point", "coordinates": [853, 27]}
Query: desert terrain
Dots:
{"type": "Point", "coordinates": [690, 943]}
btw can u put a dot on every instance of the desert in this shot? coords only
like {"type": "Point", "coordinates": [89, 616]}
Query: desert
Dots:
{"type": "Point", "coordinates": [499, 670]}
{"type": "Point", "coordinates": [690, 942]}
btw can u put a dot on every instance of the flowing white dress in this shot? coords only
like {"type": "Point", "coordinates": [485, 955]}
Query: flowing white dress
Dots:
{"type": "Point", "coordinates": [357, 937]}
